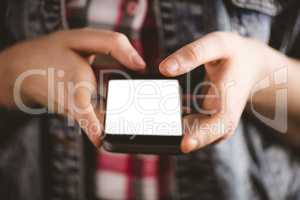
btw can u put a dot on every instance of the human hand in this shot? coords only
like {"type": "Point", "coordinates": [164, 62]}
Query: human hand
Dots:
{"type": "Point", "coordinates": [67, 52]}
{"type": "Point", "coordinates": [233, 65]}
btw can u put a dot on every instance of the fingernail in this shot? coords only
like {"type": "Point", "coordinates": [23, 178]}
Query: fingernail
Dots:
{"type": "Point", "coordinates": [136, 59]}
{"type": "Point", "coordinates": [171, 65]}
{"type": "Point", "coordinates": [193, 143]}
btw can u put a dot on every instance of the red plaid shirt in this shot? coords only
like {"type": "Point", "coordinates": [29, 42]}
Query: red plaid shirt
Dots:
{"type": "Point", "coordinates": [126, 176]}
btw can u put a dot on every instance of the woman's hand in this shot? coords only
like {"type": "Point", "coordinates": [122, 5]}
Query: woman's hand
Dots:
{"type": "Point", "coordinates": [233, 65]}
{"type": "Point", "coordinates": [66, 52]}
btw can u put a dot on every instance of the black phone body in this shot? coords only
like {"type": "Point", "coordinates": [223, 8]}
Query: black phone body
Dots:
{"type": "Point", "coordinates": [160, 142]}
{"type": "Point", "coordinates": [142, 144]}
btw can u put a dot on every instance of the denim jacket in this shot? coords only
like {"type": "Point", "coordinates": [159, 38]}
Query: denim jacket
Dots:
{"type": "Point", "coordinates": [42, 158]}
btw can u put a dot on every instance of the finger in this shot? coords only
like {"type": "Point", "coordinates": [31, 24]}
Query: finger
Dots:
{"type": "Point", "coordinates": [202, 130]}
{"type": "Point", "coordinates": [224, 104]}
{"type": "Point", "coordinates": [104, 42]}
{"type": "Point", "coordinates": [79, 103]}
{"type": "Point", "coordinates": [210, 124]}
{"type": "Point", "coordinates": [84, 113]}
{"type": "Point", "coordinates": [89, 122]}
{"type": "Point", "coordinates": [210, 48]}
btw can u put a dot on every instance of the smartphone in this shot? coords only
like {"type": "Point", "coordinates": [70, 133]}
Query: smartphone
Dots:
{"type": "Point", "coordinates": [143, 116]}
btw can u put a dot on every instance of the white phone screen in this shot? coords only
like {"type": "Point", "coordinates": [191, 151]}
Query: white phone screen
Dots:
{"type": "Point", "coordinates": [143, 107]}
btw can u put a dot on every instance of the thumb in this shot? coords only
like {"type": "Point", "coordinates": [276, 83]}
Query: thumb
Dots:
{"type": "Point", "coordinates": [83, 112]}
{"type": "Point", "coordinates": [212, 47]}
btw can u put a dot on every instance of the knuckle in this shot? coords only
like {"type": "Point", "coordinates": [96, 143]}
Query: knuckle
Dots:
{"type": "Point", "coordinates": [219, 35]}
{"type": "Point", "coordinates": [58, 34]}
{"type": "Point", "coordinates": [220, 38]}
{"type": "Point", "coordinates": [118, 38]}
{"type": "Point", "coordinates": [226, 41]}
{"type": "Point", "coordinates": [193, 51]}
{"type": "Point", "coordinates": [82, 31]}
{"type": "Point", "coordinates": [58, 39]}
{"type": "Point", "coordinates": [86, 29]}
